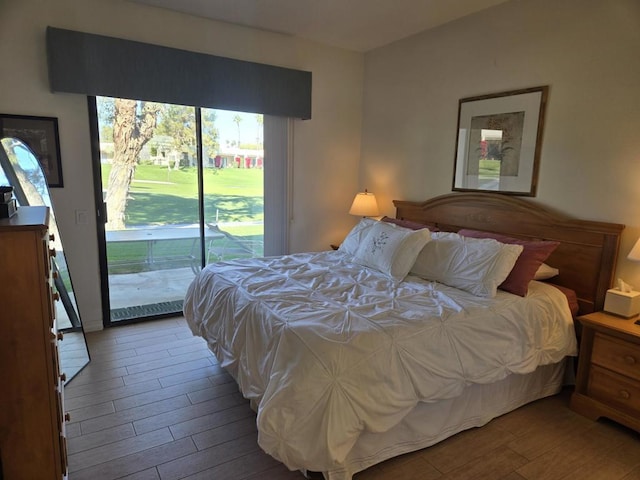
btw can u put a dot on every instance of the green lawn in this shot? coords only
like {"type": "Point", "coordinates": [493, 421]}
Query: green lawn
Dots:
{"type": "Point", "coordinates": [489, 168]}
{"type": "Point", "coordinates": [159, 196]}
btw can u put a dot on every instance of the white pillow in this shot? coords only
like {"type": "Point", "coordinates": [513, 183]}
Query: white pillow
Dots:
{"type": "Point", "coordinates": [391, 249]}
{"type": "Point", "coordinates": [546, 272]}
{"type": "Point", "coordinates": [357, 234]}
{"type": "Point", "coordinates": [476, 265]}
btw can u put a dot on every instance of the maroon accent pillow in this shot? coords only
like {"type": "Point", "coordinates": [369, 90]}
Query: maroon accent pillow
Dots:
{"type": "Point", "coordinates": [534, 253]}
{"type": "Point", "coordinates": [409, 224]}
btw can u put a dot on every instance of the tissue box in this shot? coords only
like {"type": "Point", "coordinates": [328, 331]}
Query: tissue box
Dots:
{"type": "Point", "coordinates": [625, 304]}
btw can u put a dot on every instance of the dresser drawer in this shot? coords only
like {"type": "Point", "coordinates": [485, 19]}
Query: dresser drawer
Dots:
{"type": "Point", "coordinates": [617, 355]}
{"type": "Point", "coordinates": [615, 390]}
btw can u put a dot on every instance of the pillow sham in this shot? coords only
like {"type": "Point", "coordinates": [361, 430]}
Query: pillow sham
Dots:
{"type": "Point", "coordinates": [572, 298]}
{"type": "Point", "coordinates": [476, 265]}
{"type": "Point", "coordinates": [545, 272]}
{"type": "Point", "coordinates": [409, 224]}
{"type": "Point", "coordinates": [534, 253]}
{"type": "Point", "coordinates": [390, 249]}
{"type": "Point", "coordinates": [354, 238]}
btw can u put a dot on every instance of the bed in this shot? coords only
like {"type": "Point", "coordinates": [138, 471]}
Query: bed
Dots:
{"type": "Point", "coordinates": [350, 361]}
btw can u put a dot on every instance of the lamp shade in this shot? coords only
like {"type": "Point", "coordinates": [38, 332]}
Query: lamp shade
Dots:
{"type": "Point", "coordinates": [364, 205]}
{"type": "Point", "coordinates": [634, 254]}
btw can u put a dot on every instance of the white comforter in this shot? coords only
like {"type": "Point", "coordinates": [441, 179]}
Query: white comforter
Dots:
{"type": "Point", "coordinates": [327, 349]}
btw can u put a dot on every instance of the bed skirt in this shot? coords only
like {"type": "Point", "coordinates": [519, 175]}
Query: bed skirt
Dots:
{"type": "Point", "coordinates": [430, 423]}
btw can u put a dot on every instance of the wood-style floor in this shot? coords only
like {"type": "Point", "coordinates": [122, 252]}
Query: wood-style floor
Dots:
{"type": "Point", "coordinates": [154, 404]}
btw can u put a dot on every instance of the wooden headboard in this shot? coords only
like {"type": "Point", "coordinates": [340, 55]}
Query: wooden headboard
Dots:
{"type": "Point", "coordinates": [586, 256]}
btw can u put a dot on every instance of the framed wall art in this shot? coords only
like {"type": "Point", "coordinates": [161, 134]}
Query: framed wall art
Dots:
{"type": "Point", "coordinates": [41, 135]}
{"type": "Point", "coordinates": [498, 142]}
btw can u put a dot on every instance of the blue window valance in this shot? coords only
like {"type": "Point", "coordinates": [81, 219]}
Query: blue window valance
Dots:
{"type": "Point", "coordinates": [98, 65]}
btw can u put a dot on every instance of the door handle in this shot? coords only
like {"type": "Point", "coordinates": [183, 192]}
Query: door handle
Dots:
{"type": "Point", "coordinates": [102, 213]}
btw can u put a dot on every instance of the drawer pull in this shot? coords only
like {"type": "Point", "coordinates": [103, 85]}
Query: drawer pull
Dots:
{"type": "Point", "coordinates": [629, 360]}
{"type": "Point", "coordinates": [624, 394]}
{"type": "Point", "coordinates": [63, 377]}
{"type": "Point", "coordinates": [56, 296]}
{"type": "Point", "coordinates": [60, 336]}
{"type": "Point", "coordinates": [52, 252]}
{"type": "Point", "coordinates": [67, 417]}
{"type": "Point", "coordinates": [52, 237]}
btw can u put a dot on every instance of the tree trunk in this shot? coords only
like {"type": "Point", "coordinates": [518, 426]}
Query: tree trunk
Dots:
{"type": "Point", "coordinates": [130, 134]}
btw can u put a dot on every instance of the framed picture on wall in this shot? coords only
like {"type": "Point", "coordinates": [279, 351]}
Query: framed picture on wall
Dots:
{"type": "Point", "coordinates": [41, 135]}
{"type": "Point", "coordinates": [498, 142]}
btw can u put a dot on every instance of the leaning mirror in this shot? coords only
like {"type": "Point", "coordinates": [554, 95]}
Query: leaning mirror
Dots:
{"type": "Point", "coordinates": [20, 168]}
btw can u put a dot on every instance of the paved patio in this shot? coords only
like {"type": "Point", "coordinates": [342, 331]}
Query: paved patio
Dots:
{"type": "Point", "coordinates": [145, 288]}
{"type": "Point", "coordinates": [148, 293]}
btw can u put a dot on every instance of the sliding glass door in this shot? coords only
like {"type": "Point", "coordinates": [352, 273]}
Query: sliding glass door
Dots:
{"type": "Point", "coordinates": [181, 187]}
{"type": "Point", "coordinates": [233, 187]}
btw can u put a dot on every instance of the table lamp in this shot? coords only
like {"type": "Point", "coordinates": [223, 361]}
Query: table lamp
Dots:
{"type": "Point", "coordinates": [364, 205]}
{"type": "Point", "coordinates": [634, 254]}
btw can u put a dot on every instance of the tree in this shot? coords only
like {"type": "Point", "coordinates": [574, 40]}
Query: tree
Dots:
{"type": "Point", "coordinates": [237, 119]}
{"type": "Point", "coordinates": [134, 125]}
{"type": "Point", "coordinates": [105, 107]}
{"type": "Point", "coordinates": [210, 134]}
{"type": "Point", "coordinates": [260, 122]}
{"type": "Point", "coordinates": [179, 123]}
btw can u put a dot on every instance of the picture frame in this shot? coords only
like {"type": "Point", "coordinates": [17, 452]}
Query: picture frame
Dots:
{"type": "Point", "coordinates": [41, 135]}
{"type": "Point", "coordinates": [498, 142]}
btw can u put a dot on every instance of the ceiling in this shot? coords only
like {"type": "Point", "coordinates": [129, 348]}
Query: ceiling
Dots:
{"type": "Point", "coordinates": [358, 25]}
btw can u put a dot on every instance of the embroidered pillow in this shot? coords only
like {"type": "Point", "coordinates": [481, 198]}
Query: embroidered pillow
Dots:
{"type": "Point", "coordinates": [533, 254]}
{"type": "Point", "coordinates": [475, 265]}
{"type": "Point", "coordinates": [357, 234]}
{"type": "Point", "coordinates": [390, 249]}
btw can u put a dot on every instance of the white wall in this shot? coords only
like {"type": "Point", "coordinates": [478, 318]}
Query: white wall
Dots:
{"type": "Point", "coordinates": [326, 149]}
{"type": "Point", "coordinates": [587, 51]}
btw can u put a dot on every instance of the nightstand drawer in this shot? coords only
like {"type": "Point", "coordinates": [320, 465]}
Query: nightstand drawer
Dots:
{"type": "Point", "coordinates": [617, 355]}
{"type": "Point", "coordinates": [620, 392]}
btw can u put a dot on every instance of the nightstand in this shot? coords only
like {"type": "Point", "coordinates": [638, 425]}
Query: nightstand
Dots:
{"type": "Point", "coordinates": [608, 380]}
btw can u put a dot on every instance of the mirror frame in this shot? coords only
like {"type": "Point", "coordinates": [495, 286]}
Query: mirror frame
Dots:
{"type": "Point", "coordinates": [69, 304]}
{"type": "Point", "coordinates": [516, 120]}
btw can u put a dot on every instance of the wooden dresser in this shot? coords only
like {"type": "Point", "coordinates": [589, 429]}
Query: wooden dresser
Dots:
{"type": "Point", "coordinates": [608, 381]}
{"type": "Point", "coordinates": [32, 442]}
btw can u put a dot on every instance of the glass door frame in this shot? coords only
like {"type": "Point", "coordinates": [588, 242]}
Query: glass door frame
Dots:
{"type": "Point", "coordinates": [101, 214]}
{"type": "Point", "coordinates": [278, 191]}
